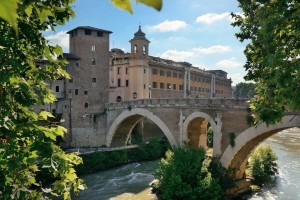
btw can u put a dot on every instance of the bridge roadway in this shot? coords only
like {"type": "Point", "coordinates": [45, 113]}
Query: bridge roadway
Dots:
{"type": "Point", "coordinates": [186, 120]}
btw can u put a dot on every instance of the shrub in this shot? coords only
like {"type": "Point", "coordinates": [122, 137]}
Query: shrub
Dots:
{"type": "Point", "coordinates": [184, 174]}
{"type": "Point", "coordinates": [262, 165]}
{"type": "Point", "coordinates": [210, 137]}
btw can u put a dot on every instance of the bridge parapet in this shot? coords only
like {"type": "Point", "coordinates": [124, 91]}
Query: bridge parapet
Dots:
{"type": "Point", "coordinates": [206, 103]}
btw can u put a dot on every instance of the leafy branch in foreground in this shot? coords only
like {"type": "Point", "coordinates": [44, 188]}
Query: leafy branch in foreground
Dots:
{"type": "Point", "coordinates": [273, 32]}
{"type": "Point", "coordinates": [27, 138]}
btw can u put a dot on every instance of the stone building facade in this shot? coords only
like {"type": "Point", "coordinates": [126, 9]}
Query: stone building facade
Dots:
{"type": "Point", "coordinates": [102, 76]}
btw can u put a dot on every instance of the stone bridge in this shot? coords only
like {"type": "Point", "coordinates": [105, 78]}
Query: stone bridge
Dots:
{"type": "Point", "coordinates": [186, 120]}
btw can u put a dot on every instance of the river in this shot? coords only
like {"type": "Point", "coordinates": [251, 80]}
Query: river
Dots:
{"type": "Point", "coordinates": [131, 182]}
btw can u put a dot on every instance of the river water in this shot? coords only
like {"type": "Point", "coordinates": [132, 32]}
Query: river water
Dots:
{"type": "Point", "coordinates": [131, 182]}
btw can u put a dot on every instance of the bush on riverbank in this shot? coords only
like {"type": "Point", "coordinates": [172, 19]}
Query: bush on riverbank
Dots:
{"type": "Point", "coordinates": [101, 160]}
{"type": "Point", "coordinates": [185, 174]}
{"type": "Point", "coordinates": [262, 165]}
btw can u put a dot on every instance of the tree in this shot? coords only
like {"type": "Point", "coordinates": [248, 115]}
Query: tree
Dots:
{"type": "Point", "coordinates": [262, 165]}
{"type": "Point", "coordinates": [273, 32]}
{"type": "Point", "coordinates": [244, 90]}
{"type": "Point", "coordinates": [184, 174]}
{"type": "Point", "coordinates": [27, 138]}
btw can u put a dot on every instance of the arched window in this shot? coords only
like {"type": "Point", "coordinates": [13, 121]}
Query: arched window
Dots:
{"type": "Point", "coordinates": [86, 105]}
{"type": "Point", "coordinates": [119, 99]}
{"type": "Point", "coordinates": [135, 49]}
{"type": "Point", "coordinates": [144, 50]}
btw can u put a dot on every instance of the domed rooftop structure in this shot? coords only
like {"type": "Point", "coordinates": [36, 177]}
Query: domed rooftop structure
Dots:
{"type": "Point", "coordinates": [139, 34]}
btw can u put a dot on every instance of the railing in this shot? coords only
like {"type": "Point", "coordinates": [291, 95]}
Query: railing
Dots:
{"type": "Point", "coordinates": [208, 102]}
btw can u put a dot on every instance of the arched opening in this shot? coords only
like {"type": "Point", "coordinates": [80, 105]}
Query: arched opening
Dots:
{"type": "Point", "coordinates": [119, 99]}
{"type": "Point", "coordinates": [144, 50]}
{"type": "Point", "coordinates": [135, 49]}
{"type": "Point", "coordinates": [86, 105]}
{"type": "Point", "coordinates": [120, 132]}
{"type": "Point", "coordinates": [197, 133]}
{"type": "Point", "coordinates": [236, 157]}
{"type": "Point", "coordinates": [196, 128]}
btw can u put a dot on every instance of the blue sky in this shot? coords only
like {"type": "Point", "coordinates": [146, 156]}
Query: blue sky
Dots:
{"type": "Point", "coordinates": [195, 31]}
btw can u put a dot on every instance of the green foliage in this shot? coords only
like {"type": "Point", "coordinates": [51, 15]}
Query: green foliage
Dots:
{"type": "Point", "coordinates": [223, 175]}
{"type": "Point", "coordinates": [102, 160]}
{"type": "Point", "coordinates": [210, 137]}
{"type": "Point", "coordinates": [126, 4]}
{"type": "Point", "coordinates": [262, 165]}
{"type": "Point", "coordinates": [153, 149]}
{"type": "Point", "coordinates": [271, 29]}
{"type": "Point", "coordinates": [244, 90]}
{"type": "Point", "coordinates": [232, 139]}
{"type": "Point", "coordinates": [28, 139]}
{"type": "Point", "coordinates": [184, 174]}
{"type": "Point", "coordinates": [8, 12]}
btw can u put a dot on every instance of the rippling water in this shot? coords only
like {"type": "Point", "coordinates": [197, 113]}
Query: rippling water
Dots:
{"type": "Point", "coordinates": [131, 182]}
{"type": "Point", "coordinates": [122, 183]}
{"type": "Point", "coordinates": [286, 186]}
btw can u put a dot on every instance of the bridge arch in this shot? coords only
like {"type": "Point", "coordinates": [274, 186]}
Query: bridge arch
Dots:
{"type": "Point", "coordinates": [122, 126]}
{"type": "Point", "coordinates": [236, 157]}
{"type": "Point", "coordinates": [199, 120]}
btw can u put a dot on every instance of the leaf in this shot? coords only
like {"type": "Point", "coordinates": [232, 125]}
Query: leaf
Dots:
{"type": "Point", "coordinates": [157, 4]}
{"type": "Point", "coordinates": [43, 115]}
{"type": "Point", "coordinates": [123, 5]}
{"type": "Point", "coordinates": [8, 11]}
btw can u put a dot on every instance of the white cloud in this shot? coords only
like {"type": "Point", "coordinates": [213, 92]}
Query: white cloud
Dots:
{"type": "Point", "coordinates": [210, 18]}
{"type": "Point", "coordinates": [213, 49]}
{"type": "Point", "coordinates": [229, 63]}
{"type": "Point", "coordinates": [177, 55]}
{"type": "Point", "coordinates": [61, 38]}
{"type": "Point", "coordinates": [237, 78]}
{"type": "Point", "coordinates": [169, 26]}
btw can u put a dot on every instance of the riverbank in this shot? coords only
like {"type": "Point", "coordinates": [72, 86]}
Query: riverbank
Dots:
{"type": "Point", "coordinates": [95, 161]}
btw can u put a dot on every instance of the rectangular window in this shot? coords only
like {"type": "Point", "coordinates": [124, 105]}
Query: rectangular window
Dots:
{"type": "Point", "coordinates": [154, 84]}
{"type": "Point", "coordinates": [77, 64]}
{"type": "Point", "coordinates": [181, 75]}
{"type": "Point", "coordinates": [99, 34]}
{"type": "Point", "coordinates": [57, 88]}
{"type": "Point", "coordinates": [71, 80]}
{"type": "Point", "coordinates": [127, 70]}
{"type": "Point", "coordinates": [119, 82]}
{"type": "Point", "coordinates": [180, 87]}
{"type": "Point", "coordinates": [93, 61]}
{"type": "Point", "coordinates": [154, 71]}
{"type": "Point", "coordinates": [144, 71]}
{"type": "Point", "coordinates": [85, 92]}
{"type": "Point", "coordinates": [119, 70]}
{"type": "Point", "coordinates": [94, 80]}
{"type": "Point", "coordinates": [93, 48]}
{"type": "Point", "coordinates": [168, 73]}
{"type": "Point", "coordinates": [127, 83]}
{"type": "Point", "coordinates": [162, 73]}
{"type": "Point", "coordinates": [169, 87]}
{"type": "Point", "coordinates": [174, 86]}
{"type": "Point", "coordinates": [87, 32]}
{"type": "Point", "coordinates": [174, 74]}
{"type": "Point", "coordinates": [162, 85]}
{"type": "Point", "coordinates": [76, 91]}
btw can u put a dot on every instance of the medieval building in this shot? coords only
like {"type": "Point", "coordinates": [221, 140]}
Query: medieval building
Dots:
{"type": "Point", "coordinates": [102, 76]}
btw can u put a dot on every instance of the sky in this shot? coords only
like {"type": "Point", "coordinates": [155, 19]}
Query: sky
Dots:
{"type": "Point", "coordinates": [194, 31]}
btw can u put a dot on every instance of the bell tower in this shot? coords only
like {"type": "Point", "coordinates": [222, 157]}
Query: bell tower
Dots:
{"type": "Point", "coordinates": [139, 45]}
{"type": "Point", "coordinates": [139, 67]}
